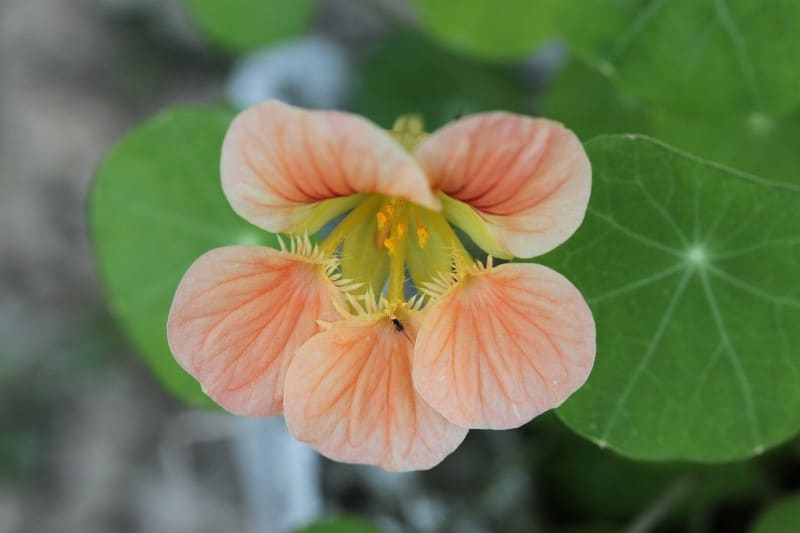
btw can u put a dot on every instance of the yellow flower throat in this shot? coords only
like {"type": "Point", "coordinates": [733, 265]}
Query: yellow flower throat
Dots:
{"type": "Point", "coordinates": [382, 236]}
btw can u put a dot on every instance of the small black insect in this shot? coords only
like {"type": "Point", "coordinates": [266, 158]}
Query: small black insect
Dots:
{"type": "Point", "coordinates": [398, 327]}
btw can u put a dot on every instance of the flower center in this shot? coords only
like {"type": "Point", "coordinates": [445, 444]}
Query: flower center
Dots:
{"type": "Point", "coordinates": [404, 236]}
{"type": "Point", "coordinates": [397, 236]}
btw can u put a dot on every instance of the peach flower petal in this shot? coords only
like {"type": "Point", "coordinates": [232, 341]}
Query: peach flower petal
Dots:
{"type": "Point", "coordinates": [527, 179]}
{"type": "Point", "coordinates": [503, 346]}
{"type": "Point", "coordinates": [279, 162]}
{"type": "Point", "coordinates": [238, 316]}
{"type": "Point", "coordinates": [349, 394]}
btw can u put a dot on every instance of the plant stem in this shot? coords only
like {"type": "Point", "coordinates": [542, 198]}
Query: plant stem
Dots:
{"type": "Point", "coordinates": [661, 506]}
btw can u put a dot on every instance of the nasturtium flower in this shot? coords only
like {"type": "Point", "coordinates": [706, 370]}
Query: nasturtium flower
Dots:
{"type": "Point", "coordinates": [322, 331]}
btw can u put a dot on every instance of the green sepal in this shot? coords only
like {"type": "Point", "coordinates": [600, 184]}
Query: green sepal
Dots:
{"type": "Point", "coordinates": [467, 219]}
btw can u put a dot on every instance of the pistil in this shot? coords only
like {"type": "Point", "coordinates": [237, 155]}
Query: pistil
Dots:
{"type": "Point", "coordinates": [396, 248]}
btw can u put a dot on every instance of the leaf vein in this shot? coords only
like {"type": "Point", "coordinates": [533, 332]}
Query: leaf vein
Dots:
{"type": "Point", "coordinates": [632, 234]}
{"type": "Point", "coordinates": [747, 393]}
{"type": "Point", "coordinates": [651, 349]}
{"type": "Point", "coordinates": [628, 287]}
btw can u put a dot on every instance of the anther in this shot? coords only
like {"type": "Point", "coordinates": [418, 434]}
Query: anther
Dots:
{"type": "Point", "coordinates": [390, 244]}
{"type": "Point", "coordinates": [422, 236]}
{"type": "Point", "coordinates": [382, 219]}
{"type": "Point", "coordinates": [401, 230]}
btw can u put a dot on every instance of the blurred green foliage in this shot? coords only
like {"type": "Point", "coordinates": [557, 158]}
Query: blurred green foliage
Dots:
{"type": "Point", "coordinates": [781, 517]}
{"type": "Point", "coordinates": [156, 206]}
{"type": "Point", "coordinates": [341, 524]}
{"type": "Point", "coordinates": [586, 484]}
{"type": "Point", "coordinates": [703, 59]}
{"type": "Point", "coordinates": [761, 146]}
{"type": "Point", "coordinates": [240, 25]}
{"type": "Point", "coordinates": [407, 73]}
{"type": "Point", "coordinates": [590, 104]}
{"type": "Point", "coordinates": [486, 28]}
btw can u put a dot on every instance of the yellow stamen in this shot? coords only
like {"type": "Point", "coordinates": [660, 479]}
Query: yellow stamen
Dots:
{"type": "Point", "coordinates": [390, 243]}
{"type": "Point", "coordinates": [401, 230]}
{"type": "Point", "coordinates": [382, 219]}
{"type": "Point", "coordinates": [422, 236]}
{"type": "Point", "coordinates": [389, 209]}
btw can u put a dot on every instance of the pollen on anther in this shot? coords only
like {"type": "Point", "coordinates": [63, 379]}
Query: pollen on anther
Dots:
{"type": "Point", "coordinates": [390, 244]}
{"type": "Point", "coordinates": [401, 230]}
{"type": "Point", "coordinates": [382, 219]}
{"type": "Point", "coordinates": [422, 236]}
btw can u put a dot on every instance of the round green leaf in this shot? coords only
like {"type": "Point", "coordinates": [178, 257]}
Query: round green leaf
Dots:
{"type": "Point", "coordinates": [782, 517]}
{"type": "Point", "coordinates": [157, 205]}
{"type": "Point", "coordinates": [713, 57]}
{"type": "Point", "coordinates": [239, 25]}
{"type": "Point", "coordinates": [485, 29]}
{"type": "Point", "coordinates": [691, 271]}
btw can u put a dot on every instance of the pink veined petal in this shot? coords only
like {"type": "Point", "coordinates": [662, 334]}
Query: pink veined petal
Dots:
{"type": "Point", "coordinates": [504, 346]}
{"type": "Point", "coordinates": [528, 179]}
{"type": "Point", "coordinates": [238, 316]}
{"type": "Point", "coordinates": [279, 161]}
{"type": "Point", "coordinates": [349, 394]}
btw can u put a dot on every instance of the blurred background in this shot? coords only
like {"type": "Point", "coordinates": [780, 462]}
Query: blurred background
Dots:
{"type": "Point", "coordinates": [90, 442]}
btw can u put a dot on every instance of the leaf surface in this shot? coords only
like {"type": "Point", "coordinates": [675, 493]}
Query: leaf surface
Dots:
{"type": "Point", "coordinates": [157, 205]}
{"type": "Point", "coordinates": [692, 272]}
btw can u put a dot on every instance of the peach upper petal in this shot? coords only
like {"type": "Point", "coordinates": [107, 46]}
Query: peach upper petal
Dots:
{"type": "Point", "coordinates": [528, 179]}
{"type": "Point", "coordinates": [349, 394]}
{"type": "Point", "coordinates": [238, 316]}
{"type": "Point", "coordinates": [503, 346]}
{"type": "Point", "coordinates": [279, 162]}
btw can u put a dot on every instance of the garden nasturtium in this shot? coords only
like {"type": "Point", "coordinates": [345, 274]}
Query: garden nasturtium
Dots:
{"type": "Point", "coordinates": [368, 375]}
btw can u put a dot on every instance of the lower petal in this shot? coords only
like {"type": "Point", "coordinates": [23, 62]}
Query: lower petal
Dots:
{"type": "Point", "coordinates": [238, 316]}
{"type": "Point", "coordinates": [503, 346]}
{"type": "Point", "coordinates": [349, 394]}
